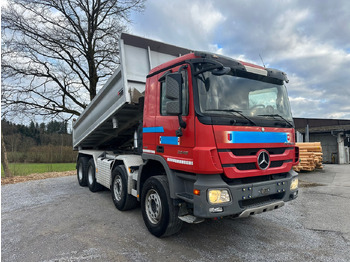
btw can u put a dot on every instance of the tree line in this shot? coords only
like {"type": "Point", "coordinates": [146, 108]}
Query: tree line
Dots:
{"type": "Point", "coordinates": [54, 57]}
{"type": "Point", "coordinates": [45, 142]}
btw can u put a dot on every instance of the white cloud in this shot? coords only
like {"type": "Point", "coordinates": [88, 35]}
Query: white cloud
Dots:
{"type": "Point", "coordinates": [3, 3]}
{"type": "Point", "coordinates": [206, 16]}
{"type": "Point", "coordinates": [215, 48]}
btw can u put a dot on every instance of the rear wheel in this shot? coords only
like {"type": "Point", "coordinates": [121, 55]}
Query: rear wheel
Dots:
{"type": "Point", "coordinates": [158, 212]}
{"type": "Point", "coordinates": [82, 171]}
{"type": "Point", "coordinates": [122, 200]}
{"type": "Point", "coordinates": [91, 177]}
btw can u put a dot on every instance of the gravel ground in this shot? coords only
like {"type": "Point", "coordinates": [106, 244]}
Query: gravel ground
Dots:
{"type": "Point", "coordinates": [56, 220]}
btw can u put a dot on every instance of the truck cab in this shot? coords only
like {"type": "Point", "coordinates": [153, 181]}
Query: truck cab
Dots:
{"type": "Point", "coordinates": [225, 129]}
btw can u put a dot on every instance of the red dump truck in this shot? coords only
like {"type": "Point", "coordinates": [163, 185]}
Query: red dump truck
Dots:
{"type": "Point", "coordinates": [189, 135]}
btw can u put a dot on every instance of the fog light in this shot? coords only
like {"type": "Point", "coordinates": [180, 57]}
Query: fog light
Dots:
{"type": "Point", "coordinates": [294, 184]}
{"type": "Point", "coordinates": [218, 196]}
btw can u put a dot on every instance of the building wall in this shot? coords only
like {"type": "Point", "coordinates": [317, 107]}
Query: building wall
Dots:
{"type": "Point", "coordinates": [317, 122]}
{"type": "Point", "coordinates": [329, 146]}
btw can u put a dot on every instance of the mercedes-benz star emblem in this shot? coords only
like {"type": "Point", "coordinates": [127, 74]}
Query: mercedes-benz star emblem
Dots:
{"type": "Point", "coordinates": [263, 160]}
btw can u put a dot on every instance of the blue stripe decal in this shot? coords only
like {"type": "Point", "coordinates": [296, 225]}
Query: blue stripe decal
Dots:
{"type": "Point", "coordinates": [169, 140]}
{"type": "Point", "coordinates": [155, 129]}
{"type": "Point", "coordinates": [256, 137]}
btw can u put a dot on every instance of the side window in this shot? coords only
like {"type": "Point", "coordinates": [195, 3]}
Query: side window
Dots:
{"type": "Point", "coordinates": [163, 99]}
{"type": "Point", "coordinates": [185, 101]}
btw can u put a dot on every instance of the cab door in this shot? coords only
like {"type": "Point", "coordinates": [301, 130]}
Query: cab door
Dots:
{"type": "Point", "coordinates": [176, 150]}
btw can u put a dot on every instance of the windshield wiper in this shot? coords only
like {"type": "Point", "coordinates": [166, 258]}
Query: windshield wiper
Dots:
{"type": "Point", "coordinates": [234, 111]}
{"type": "Point", "coordinates": [285, 120]}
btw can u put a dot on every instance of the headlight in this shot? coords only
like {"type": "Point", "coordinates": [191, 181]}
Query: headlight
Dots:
{"type": "Point", "coordinates": [218, 196]}
{"type": "Point", "coordinates": [294, 184]}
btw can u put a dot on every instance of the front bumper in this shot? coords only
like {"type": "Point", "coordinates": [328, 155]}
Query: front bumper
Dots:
{"type": "Point", "coordinates": [246, 199]}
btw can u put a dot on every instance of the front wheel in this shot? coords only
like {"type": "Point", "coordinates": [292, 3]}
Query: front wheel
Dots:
{"type": "Point", "coordinates": [158, 212]}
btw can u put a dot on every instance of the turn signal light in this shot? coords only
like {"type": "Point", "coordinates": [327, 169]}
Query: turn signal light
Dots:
{"type": "Point", "coordinates": [196, 192]}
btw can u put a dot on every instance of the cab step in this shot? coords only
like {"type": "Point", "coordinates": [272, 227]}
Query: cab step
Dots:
{"type": "Point", "coordinates": [191, 219]}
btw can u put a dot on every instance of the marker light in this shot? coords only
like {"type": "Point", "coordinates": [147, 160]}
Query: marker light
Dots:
{"type": "Point", "coordinates": [294, 184]}
{"type": "Point", "coordinates": [218, 196]}
{"type": "Point", "coordinates": [196, 192]}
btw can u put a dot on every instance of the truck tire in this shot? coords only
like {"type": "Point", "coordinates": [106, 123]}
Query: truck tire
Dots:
{"type": "Point", "coordinates": [122, 200]}
{"type": "Point", "coordinates": [82, 171]}
{"type": "Point", "coordinates": [91, 177]}
{"type": "Point", "coordinates": [158, 212]}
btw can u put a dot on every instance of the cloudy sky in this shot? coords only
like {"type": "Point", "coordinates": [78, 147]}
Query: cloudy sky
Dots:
{"type": "Point", "coordinates": [309, 40]}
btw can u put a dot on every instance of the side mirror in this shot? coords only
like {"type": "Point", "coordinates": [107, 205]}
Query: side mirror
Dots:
{"type": "Point", "coordinates": [173, 92]}
{"type": "Point", "coordinates": [173, 108]}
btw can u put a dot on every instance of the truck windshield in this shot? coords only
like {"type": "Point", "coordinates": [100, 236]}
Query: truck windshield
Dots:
{"type": "Point", "coordinates": [240, 97]}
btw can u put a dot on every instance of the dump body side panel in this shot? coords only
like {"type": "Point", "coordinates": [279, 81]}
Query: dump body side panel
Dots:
{"type": "Point", "coordinates": [112, 116]}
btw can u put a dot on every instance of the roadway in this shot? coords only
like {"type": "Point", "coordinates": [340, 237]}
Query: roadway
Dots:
{"type": "Point", "coordinates": [57, 220]}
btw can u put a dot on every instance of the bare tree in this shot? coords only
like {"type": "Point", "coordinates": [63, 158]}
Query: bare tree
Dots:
{"type": "Point", "coordinates": [56, 52]}
{"type": "Point", "coordinates": [4, 160]}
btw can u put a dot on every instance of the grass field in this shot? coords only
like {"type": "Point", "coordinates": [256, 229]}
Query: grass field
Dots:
{"type": "Point", "coordinates": [23, 169]}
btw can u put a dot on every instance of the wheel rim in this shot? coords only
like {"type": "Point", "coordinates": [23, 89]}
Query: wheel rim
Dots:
{"type": "Point", "coordinates": [80, 172]}
{"type": "Point", "coordinates": [153, 206]}
{"type": "Point", "coordinates": [91, 175]}
{"type": "Point", "coordinates": [118, 188]}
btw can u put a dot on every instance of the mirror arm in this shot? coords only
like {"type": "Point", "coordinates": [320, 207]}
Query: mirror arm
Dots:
{"type": "Point", "coordinates": [181, 68]}
{"type": "Point", "coordinates": [182, 124]}
{"type": "Point", "coordinates": [215, 65]}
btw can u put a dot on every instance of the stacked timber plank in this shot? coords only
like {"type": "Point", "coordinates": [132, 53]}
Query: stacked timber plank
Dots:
{"type": "Point", "coordinates": [310, 156]}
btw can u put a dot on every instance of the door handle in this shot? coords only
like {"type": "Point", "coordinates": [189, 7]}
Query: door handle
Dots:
{"type": "Point", "coordinates": [160, 149]}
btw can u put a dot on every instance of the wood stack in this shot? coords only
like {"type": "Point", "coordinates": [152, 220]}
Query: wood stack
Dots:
{"type": "Point", "coordinates": [310, 156]}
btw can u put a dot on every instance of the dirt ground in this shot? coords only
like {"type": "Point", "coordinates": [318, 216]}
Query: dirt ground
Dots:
{"type": "Point", "coordinates": [36, 176]}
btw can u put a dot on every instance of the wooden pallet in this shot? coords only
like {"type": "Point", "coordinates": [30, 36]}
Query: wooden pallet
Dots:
{"type": "Point", "coordinates": [310, 156]}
